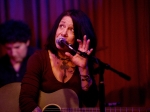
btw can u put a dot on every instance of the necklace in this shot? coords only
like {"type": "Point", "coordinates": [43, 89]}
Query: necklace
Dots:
{"type": "Point", "coordinates": [64, 66]}
{"type": "Point", "coordinates": [67, 66]}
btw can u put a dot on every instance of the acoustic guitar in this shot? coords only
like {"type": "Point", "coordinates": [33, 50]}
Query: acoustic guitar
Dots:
{"type": "Point", "coordinates": [63, 100]}
{"type": "Point", "coordinates": [66, 100]}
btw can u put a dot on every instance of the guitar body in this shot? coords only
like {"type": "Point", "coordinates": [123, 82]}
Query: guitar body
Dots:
{"type": "Point", "coordinates": [9, 97]}
{"type": "Point", "coordinates": [63, 98]}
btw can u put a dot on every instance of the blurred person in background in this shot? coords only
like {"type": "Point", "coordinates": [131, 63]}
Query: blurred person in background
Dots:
{"type": "Point", "coordinates": [15, 38]}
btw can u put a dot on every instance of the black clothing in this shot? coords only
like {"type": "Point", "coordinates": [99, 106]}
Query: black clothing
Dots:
{"type": "Point", "coordinates": [7, 72]}
{"type": "Point", "coordinates": [39, 76]}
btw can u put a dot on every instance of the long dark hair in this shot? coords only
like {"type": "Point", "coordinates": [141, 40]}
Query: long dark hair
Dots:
{"type": "Point", "coordinates": [82, 26]}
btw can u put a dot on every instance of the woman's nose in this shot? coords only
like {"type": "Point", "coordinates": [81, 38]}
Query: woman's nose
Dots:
{"type": "Point", "coordinates": [64, 32]}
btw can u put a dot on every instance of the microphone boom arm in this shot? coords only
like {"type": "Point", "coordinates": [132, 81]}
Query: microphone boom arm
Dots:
{"type": "Point", "coordinates": [101, 68]}
{"type": "Point", "coordinates": [83, 54]}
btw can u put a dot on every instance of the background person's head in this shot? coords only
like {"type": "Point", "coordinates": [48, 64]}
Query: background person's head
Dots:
{"type": "Point", "coordinates": [82, 26]}
{"type": "Point", "coordinates": [15, 37]}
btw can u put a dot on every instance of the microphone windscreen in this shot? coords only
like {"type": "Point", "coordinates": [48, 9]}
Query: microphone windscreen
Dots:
{"type": "Point", "coordinates": [60, 41]}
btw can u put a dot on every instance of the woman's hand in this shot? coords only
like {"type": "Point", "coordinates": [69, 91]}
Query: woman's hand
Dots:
{"type": "Point", "coordinates": [37, 109]}
{"type": "Point", "coordinates": [81, 62]}
{"type": "Point", "coordinates": [83, 47]}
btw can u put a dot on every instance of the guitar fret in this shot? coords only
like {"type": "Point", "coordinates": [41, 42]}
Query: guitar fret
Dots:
{"type": "Point", "coordinates": [79, 110]}
{"type": "Point", "coordinates": [107, 109]}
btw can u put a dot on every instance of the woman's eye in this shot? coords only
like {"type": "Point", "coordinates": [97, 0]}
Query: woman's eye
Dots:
{"type": "Point", "coordinates": [61, 26]}
{"type": "Point", "coordinates": [71, 29]}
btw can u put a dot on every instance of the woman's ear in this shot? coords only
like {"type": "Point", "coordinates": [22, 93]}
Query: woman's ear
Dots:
{"type": "Point", "coordinates": [28, 42]}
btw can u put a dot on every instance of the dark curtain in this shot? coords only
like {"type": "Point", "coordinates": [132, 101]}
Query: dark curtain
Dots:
{"type": "Point", "coordinates": [123, 31]}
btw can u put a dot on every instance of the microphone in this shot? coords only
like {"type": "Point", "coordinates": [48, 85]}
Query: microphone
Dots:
{"type": "Point", "coordinates": [61, 41]}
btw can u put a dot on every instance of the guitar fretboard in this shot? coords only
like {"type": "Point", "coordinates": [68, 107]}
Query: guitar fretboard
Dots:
{"type": "Point", "coordinates": [107, 109]}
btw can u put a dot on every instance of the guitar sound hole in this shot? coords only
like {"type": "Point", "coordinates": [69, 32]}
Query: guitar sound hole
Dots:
{"type": "Point", "coordinates": [52, 108]}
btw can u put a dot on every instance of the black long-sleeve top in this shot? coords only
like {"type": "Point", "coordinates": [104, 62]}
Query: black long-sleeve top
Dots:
{"type": "Point", "coordinates": [7, 72]}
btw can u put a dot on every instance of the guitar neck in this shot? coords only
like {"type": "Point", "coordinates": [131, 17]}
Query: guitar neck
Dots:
{"type": "Point", "coordinates": [126, 109]}
{"type": "Point", "coordinates": [107, 109]}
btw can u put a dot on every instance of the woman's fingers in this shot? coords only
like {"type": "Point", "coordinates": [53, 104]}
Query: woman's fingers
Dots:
{"type": "Point", "coordinates": [89, 51]}
{"type": "Point", "coordinates": [84, 42]}
{"type": "Point", "coordinates": [87, 44]}
{"type": "Point", "coordinates": [80, 43]}
{"type": "Point", "coordinates": [83, 46]}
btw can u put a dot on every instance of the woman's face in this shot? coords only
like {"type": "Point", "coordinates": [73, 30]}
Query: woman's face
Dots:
{"type": "Point", "coordinates": [66, 30]}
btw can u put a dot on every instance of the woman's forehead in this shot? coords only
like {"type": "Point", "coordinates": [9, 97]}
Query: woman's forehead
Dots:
{"type": "Point", "coordinates": [67, 20]}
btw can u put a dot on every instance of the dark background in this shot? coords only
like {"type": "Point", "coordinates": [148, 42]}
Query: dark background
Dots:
{"type": "Point", "coordinates": [123, 31]}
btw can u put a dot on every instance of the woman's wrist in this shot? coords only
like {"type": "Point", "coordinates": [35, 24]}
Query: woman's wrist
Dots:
{"type": "Point", "coordinates": [85, 78]}
{"type": "Point", "coordinates": [86, 82]}
{"type": "Point", "coordinates": [83, 70]}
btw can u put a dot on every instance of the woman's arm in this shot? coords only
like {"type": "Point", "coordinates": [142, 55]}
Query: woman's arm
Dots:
{"type": "Point", "coordinates": [37, 109]}
{"type": "Point", "coordinates": [28, 99]}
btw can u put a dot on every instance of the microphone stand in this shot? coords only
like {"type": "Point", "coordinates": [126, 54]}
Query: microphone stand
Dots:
{"type": "Point", "coordinates": [101, 67]}
{"type": "Point", "coordinates": [100, 70]}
